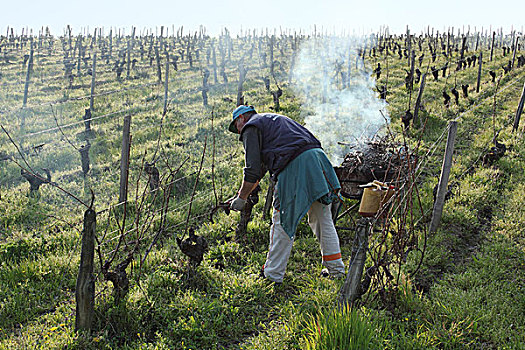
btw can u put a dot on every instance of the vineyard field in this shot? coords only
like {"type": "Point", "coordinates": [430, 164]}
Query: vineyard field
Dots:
{"type": "Point", "coordinates": [134, 129]}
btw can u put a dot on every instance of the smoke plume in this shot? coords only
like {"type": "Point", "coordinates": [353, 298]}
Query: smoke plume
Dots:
{"type": "Point", "coordinates": [340, 104]}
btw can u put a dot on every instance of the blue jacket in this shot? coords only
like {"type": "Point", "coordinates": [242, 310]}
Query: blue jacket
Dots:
{"type": "Point", "coordinates": [283, 139]}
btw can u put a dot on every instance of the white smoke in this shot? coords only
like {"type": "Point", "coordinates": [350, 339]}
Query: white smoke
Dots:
{"type": "Point", "coordinates": [341, 106]}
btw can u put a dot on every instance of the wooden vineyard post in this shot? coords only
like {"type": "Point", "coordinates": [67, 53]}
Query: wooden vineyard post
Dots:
{"type": "Point", "coordinates": [128, 59]}
{"type": "Point", "coordinates": [94, 39]}
{"type": "Point", "coordinates": [462, 54]}
{"type": "Point", "coordinates": [412, 59]}
{"type": "Point", "coordinates": [272, 43]}
{"type": "Point", "coordinates": [214, 60]}
{"type": "Point", "coordinates": [275, 95]}
{"type": "Point", "coordinates": [242, 77]}
{"type": "Point", "coordinates": [520, 110]}
{"type": "Point", "coordinates": [448, 44]}
{"type": "Point", "coordinates": [159, 71]}
{"type": "Point", "coordinates": [161, 37]}
{"type": "Point", "coordinates": [443, 178]}
{"type": "Point", "coordinates": [110, 42]}
{"type": "Point", "coordinates": [124, 160]}
{"type": "Point", "coordinates": [132, 37]}
{"type": "Point", "coordinates": [166, 77]}
{"type": "Point", "coordinates": [85, 288]}
{"type": "Point", "coordinates": [480, 63]}
{"type": "Point", "coordinates": [229, 41]}
{"type": "Point", "coordinates": [514, 51]}
{"type": "Point", "coordinates": [418, 100]}
{"type": "Point", "coordinates": [492, 46]}
{"type": "Point", "coordinates": [28, 75]}
{"type": "Point", "coordinates": [205, 86]}
{"type": "Point", "coordinates": [188, 53]}
{"type": "Point", "coordinates": [69, 36]}
{"type": "Point", "coordinates": [408, 46]}
{"type": "Point", "coordinates": [293, 59]}
{"type": "Point", "coordinates": [262, 54]}
{"type": "Point", "coordinates": [350, 290]}
{"type": "Point", "coordinates": [84, 157]}
{"type": "Point", "coordinates": [79, 45]}
{"type": "Point", "coordinates": [93, 74]}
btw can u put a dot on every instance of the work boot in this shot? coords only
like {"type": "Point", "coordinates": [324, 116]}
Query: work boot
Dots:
{"type": "Point", "coordinates": [325, 273]}
{"type": "Point", "coordinates": [333, 276]}
{"type": "Point", "coordinates": [261, 275]}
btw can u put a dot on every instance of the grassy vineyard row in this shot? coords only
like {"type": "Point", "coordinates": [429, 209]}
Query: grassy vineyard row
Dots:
{"type": "Point", "coordinates": [468, 292]}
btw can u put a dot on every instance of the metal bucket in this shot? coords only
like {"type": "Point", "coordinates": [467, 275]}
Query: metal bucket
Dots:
{"type": "Point", "coordinates": [375, 194]}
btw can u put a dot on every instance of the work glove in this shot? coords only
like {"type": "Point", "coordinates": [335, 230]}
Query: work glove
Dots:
{"type": "Point", "coordinates": [237, 204]}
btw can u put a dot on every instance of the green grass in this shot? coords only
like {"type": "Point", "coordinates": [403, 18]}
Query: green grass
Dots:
{"type": "Point", "coordinates": [339, 329]}
{"type": "Point", "coordinates": [468, 292]}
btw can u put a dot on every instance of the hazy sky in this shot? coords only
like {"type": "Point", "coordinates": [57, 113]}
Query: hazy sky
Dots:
{"type": "Point", "coordinates": [331, 15]}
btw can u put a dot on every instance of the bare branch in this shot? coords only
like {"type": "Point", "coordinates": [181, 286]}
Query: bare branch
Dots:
{"type": "Point", "coordinates": [60, 129]}
{"type": "Point", "coordinates": [195, 185]}
{"type": "Point", "coordinates": [33, 173]}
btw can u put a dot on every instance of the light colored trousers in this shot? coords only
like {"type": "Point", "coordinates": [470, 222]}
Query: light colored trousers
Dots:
{"type": "Point", "coordinates": [321, 223]}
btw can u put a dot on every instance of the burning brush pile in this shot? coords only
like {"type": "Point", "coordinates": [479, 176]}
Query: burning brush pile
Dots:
{"type": "Point", "coordinates": [377, 159]}
{"type": "Point", "coordinates": [384, 238]}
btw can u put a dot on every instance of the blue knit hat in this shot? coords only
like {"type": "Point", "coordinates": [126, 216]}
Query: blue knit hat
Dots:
{"type": "Point", "coordinates": [236, 113]}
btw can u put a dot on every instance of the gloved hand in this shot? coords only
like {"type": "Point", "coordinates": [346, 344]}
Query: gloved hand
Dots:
{"type": "Point", "coordinates": [230, 200]}
{"type": "Point", "coordinates": [237, 204]}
